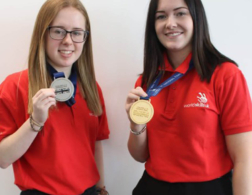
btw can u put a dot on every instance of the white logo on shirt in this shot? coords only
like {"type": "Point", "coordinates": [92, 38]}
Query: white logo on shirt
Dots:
{"type": "Point", "coordinates": [202, 100]}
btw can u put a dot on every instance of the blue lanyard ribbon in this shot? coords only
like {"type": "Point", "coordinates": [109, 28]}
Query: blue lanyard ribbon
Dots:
{"type": "Point", "coordinates": [154, 88]}
{"type": "Point", "coordinates": [73, 78]}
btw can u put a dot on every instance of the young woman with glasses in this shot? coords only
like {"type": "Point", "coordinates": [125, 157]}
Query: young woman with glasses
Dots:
{"type": "Point", "coordinates": [201, 127]}
{"type": "Point", "coordinates": [52, 116]}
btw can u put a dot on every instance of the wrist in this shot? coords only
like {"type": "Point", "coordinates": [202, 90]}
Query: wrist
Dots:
{"type": "Point", "coordinates": [101, 190]}
{"type": "Point", "coordinates": [139, 130]}
{"type": "Point", "coordinates": [136, 127]}
{"type": "Point", "coordinates": [37, 118]}
{"type": "Point", "coordinates": [35, 125]}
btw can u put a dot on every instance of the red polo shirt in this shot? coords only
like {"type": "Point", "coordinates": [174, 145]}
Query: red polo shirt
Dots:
{"type": "Point", "coordinates": [186, 136]}
{"type": "Point", "coordinates": [62, 160]}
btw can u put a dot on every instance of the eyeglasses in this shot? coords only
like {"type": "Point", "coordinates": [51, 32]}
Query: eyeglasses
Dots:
{"type": "Point", "coordinates": [57, 33]}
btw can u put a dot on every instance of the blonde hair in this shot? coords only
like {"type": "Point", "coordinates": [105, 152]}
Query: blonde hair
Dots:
{"type": "Point", "coordinates": [39, 77]}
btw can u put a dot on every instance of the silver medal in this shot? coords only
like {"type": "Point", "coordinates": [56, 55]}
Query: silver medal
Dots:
{"type": "Point", "coordinates": [64, 89]}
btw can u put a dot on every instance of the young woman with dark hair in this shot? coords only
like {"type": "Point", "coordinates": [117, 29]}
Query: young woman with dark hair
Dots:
{"type": "Point", "coordinates": [52, 116]}
{"type": "Point", "coordinates": [200, 130]}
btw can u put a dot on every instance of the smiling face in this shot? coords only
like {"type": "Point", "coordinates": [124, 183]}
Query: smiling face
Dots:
{"type": "Point", "coordinates": [174, 25]}
{"type": "Point", "coordinates": [61, 54]}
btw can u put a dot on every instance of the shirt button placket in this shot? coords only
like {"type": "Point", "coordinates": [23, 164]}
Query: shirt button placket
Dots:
{"type": "Point", "coordinates": [172, 96]}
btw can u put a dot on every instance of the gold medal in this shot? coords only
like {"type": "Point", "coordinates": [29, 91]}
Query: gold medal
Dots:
{"type": "Point", "coordinates": [141, 112]}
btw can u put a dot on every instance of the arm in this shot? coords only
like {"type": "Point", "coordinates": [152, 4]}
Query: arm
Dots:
{"type": "Point", "coordinates": [99, 162]}
{"type": "Point", "coordinates": [14, 146]}
{"type": "Point", "coordinates": [240, 150]}
{"type": "Point", "coordinates": [137, 144]}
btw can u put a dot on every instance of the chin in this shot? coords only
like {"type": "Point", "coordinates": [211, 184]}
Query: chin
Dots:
{"type": "Point", "coordinates": [173, 49]}
{"type": "Point", "coordinates": [67, 64]}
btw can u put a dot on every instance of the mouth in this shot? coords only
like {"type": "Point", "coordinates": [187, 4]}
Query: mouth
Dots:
{"type": "Point", "coordinates": [65, 51]}
{"type": "Point", "coordinates": [173, 34]}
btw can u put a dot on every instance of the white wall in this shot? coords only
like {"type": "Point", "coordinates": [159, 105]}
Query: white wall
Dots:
{"type": "Point", "coordinates": [118, 35]}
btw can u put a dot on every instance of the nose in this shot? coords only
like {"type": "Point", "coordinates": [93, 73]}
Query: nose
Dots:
{"type": "Point", "coordinates": [171, 22]}
{"type": "Point", "coordinates": [67, 39]}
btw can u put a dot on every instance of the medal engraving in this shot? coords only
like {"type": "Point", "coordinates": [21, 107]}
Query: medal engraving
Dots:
{"type": "Point", "coordinates": [141, 112]}
{"type": "Point", "coordinates": [64, 89]}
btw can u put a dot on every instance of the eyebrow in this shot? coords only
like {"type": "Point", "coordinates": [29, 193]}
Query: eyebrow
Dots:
{"type": "Point", "coordinates": [161, 11]}
{"type": "Point", "coordinates": [64, 27]}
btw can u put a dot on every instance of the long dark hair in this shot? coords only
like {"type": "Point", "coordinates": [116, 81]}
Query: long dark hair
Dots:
{"type": "Point", "coordinates": [205, 56]}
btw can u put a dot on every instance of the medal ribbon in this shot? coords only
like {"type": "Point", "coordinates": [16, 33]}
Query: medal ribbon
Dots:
{"type": "Point", "coordinates": [73, 78]}
{"type": "Point", "coordinates": [154, 88]}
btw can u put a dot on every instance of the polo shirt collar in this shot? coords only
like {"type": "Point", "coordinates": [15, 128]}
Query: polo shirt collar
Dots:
{"type": "Point", "coordinates": [182, 68]}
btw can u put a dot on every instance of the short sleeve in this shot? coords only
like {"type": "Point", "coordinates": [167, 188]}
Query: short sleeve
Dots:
{"type": "Point", "coordinates": [235, 104]}
{"type": "Point", "coordinates": [13, 103]}
{"type": "Point", "coordinates": [7, 122]}
{"type": "Point", "coordinates": [103, 131]}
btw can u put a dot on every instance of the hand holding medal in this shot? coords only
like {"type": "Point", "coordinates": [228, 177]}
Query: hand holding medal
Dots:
{"type": "Point", "coordinates": [42, 101]}
{"type": "Point", "coordinates": [141, 111]}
